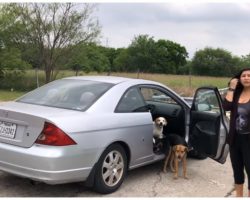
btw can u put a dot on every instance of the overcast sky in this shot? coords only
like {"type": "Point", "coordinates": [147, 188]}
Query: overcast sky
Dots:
{"type": "Point", "coordinates": [192, 25]}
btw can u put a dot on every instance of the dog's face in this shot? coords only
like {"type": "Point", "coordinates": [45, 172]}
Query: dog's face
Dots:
{"type": "Point", "coordinates": [160, 122]}
{"type": "Point", "coordinates": [179, 151]}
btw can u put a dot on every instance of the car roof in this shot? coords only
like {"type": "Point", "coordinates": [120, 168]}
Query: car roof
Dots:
{"type": "Point", "coordinates": [111, 79]}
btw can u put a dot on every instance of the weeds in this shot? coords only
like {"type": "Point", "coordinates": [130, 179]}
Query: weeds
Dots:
{"type": "Point", "coordinates": [184, 85]}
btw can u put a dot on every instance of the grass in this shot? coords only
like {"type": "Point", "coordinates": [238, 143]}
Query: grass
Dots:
{"type": "Point", "coordinates": [9, 95]}
{"type": "Point", "coordinates": [185, 85]}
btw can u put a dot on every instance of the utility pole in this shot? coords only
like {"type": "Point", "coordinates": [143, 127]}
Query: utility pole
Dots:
{"type": "Point", "coordinates": [109, 69]}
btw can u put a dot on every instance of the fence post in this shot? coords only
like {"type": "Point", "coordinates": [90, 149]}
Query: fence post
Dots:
{"type": "Point", "coordinates": [37, 78]}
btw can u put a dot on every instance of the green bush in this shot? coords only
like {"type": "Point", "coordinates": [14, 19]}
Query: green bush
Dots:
{"type": "Point", "coordinates": [20, 80]}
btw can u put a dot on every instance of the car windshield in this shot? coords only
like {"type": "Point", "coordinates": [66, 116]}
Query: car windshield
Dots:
{"type": "Point", "coordinates": [67, 93]}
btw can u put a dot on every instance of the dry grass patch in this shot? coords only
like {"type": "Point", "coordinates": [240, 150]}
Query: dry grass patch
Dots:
{"type": "Point", "coordinates": [184, 85]}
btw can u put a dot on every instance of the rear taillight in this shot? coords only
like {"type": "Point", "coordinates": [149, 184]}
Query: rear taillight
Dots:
{"type": "Point", "coordinates": [52, 135]}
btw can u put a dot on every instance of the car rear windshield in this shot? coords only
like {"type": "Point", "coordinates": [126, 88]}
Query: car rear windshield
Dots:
{"type": "Point", "coordinates": [67, 93]}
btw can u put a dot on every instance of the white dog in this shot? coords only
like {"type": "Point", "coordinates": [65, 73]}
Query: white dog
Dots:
{"type": "Point", "coordinates": [159, 123]}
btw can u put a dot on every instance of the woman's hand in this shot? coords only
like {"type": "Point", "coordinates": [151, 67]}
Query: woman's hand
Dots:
{"type": "Point", "coordinates": [233, 83]}
{"type": "Point", "coordinates": [230, 93]}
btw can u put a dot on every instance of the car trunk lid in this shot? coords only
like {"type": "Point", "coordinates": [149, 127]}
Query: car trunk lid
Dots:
{"type": "Point", "coordinates": [21, 124]}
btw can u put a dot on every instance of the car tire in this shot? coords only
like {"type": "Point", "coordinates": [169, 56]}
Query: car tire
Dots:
{"type": "Point", "coordinates": [111, 169]}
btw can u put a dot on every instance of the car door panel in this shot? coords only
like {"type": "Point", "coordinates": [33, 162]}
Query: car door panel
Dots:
{"type": "Point", "coordinates": [205, 129]}
{"type": "Point", "coordinates": [208, 127]}
{"type": "Point", "coordinates": [173, 114]}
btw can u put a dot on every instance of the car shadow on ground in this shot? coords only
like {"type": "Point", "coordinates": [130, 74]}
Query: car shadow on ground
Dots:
{"type": "Point", "coordinates": [13, 186]}
{"type": "Point", "coordinates": [146, 181]}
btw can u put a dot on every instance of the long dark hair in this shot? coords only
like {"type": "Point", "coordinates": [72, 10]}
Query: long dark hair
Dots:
{"type": "Point", "coordinates": [239, 86]}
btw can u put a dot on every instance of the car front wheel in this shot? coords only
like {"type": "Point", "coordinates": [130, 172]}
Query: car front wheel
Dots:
{"type": "Point", "coordinates": [111, 169]}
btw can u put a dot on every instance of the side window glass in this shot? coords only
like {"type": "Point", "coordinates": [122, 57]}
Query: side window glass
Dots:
{"type": "Point", "coordinates": [131, 101]}
{"type": "Point", "coordinates": [206, 100]}
{"type": "Point", "coordinates": [154, 95]}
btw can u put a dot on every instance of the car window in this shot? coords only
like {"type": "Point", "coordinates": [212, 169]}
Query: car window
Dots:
{"type": "Point", "coordinates": [131, 101]}
{"type": "Point", "coordinates": [67, 93]}
{"type": "Point", "coordinates": [155, 95]}
{"type": "Point", "coordinates": [206, 100]}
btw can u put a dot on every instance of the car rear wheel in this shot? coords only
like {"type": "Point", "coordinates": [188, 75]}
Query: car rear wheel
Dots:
{"type": "Point", "coordinates": [111, 169]}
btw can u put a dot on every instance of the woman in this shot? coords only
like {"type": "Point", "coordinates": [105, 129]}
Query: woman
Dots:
{"type": "Point", "coordinates": [237, 100]}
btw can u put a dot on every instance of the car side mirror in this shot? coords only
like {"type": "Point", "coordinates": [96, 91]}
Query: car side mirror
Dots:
{"type": "Point", "coordinates": [203, 107]}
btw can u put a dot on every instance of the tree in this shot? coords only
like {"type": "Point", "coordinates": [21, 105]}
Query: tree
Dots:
{"type": "Point", "coordinates": [78, 60]}
{"type": "Point", "coordinates": [170, 56]}
{"type": "Point", "coordinates": [214, 62]}
{"type": "Point", "coordinates": [97, 60]}
{"type": "Point", "coordinates": [121, 62]}
{"type": "Point", "coordinates": [88, 57]}
{"type": "Point", "coordinates": [11, 66]}
{"type": "Point", "coordinates": [10, 57]}
{"type": "Point", "coordinates": [244, 62]}
{"type": "Point", "coordinates": [111, 54]}
{"type": "Point", "coordinates": [53, 29]}
{"type": "Point", "coordinates": [148, 55]}
{"type": "Point", "coordinates": [141, 53]}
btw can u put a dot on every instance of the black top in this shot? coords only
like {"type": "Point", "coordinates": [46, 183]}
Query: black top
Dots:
{"type": "Point", "coordinates": [233, 107]}
{"type": "Point", "coordinates": [243, 118]}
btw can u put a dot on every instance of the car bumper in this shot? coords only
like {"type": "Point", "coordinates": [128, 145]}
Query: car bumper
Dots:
{"type": "Point", "coordinates": [52, 165]}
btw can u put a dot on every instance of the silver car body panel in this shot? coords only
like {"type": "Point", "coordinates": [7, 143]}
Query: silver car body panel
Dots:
{"type": "Point", "coordinates": [90, 130]}
{"type": "Point", "coordinates": [93, 131]}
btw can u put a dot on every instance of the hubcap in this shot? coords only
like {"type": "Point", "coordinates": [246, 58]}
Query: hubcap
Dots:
{"type": "Point", "coordinates": [112, 168]}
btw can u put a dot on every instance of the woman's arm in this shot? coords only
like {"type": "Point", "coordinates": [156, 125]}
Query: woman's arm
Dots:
{"type": "Point", "coordinates": [227, 103]}
{"type": "Point", "coordinates": [230, 93]}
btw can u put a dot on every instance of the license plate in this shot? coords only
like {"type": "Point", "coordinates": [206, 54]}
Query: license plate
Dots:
{"type": "Point", "coordinates": [7, 129]}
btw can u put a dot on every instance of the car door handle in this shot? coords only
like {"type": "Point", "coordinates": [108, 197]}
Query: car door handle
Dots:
{"type": "Point", "coordinates": [174, 113]}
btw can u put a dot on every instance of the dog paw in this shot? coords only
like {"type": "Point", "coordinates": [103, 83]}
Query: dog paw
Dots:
{"type": "Point", "coordinates": [185, 177]}
{"type": "Point", "coordinates": [175, 177]}
{"type": "Point", "coordinates": [164, 171]}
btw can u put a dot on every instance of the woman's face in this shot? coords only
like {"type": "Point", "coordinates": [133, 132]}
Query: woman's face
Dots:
{"type": "Point", "coordinates": [245, 78]}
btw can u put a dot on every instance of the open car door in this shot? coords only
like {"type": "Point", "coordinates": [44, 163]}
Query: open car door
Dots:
{"type": "Point", "coordinates": [209, 124]}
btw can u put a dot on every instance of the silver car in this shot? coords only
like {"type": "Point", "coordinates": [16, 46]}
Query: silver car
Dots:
{"type": "Point", "coordinates": [95, 128]}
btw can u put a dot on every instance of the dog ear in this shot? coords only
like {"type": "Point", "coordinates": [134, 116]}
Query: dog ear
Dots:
{"type": "Point", "coordinates": [165, 123]}
{"type": "Point", "coordinates": [157, 120]}
{"type": "Point", "coordinates": [174, 148]}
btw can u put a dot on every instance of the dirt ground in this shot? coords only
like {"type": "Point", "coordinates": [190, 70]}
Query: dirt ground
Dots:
{"type": "Point", "coordinates": [207, 178]}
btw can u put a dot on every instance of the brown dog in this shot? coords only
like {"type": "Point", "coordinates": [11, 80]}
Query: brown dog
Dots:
{"type": "Point", "coordinates": [177, 153]}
